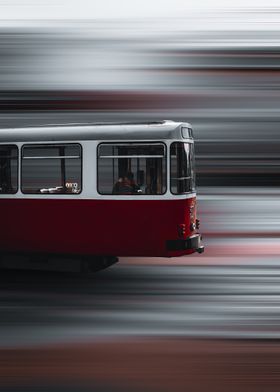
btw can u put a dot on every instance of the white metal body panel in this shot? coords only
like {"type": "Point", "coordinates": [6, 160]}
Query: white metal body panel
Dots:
{"type": "Point", "coordinates": [89, 157]}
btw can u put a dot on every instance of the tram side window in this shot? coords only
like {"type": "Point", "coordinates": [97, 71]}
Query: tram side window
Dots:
{"type": "Point", "coordinates": [131, 169]}
{"type": "Point", "coordinates": [8, 169]}
{"type": "Point", "coordinates": [51, 169]}
{"type": "Point", "coordinates": [182, 168]}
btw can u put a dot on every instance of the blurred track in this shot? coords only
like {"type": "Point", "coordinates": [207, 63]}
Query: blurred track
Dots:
{"type": "Point", "coordinates": [142, 301]}
{"type": "Point", "coordinates": [173, 326]}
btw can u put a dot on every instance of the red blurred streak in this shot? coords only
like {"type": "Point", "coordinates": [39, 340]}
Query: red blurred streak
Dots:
{"type": "Point", "coordinates": [217, 251]}
{"type": "Point", "coordinates": [120, 100]}
{"type": "Point", "coordinates": [89, 100]}
{"type": "Point", "coordinates": [156, 365]}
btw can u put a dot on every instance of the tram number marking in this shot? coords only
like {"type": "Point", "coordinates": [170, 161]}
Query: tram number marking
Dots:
{"type": "Point", "coordinates": [72, 185]}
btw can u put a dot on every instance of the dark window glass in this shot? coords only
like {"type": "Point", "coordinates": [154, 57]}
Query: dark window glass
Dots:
{"type": "Point", "coordinates": [131, 169]}
{"type": "Point", "coordinates": [8, 169]}
{"type": "Point", "coordinates": [52, 169]}
{"type": "Point", "coordinates": [187, 133]}
{"type": "Point", "coordinates": [182, 168]}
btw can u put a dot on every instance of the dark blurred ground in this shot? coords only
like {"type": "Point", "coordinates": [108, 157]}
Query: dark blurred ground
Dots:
{"type": "Point", "coordinates": [149, 365]}
{"type": "Point", "coordinates": [170, 327]}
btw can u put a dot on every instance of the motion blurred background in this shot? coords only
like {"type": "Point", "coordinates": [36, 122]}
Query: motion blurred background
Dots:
{"type": "Point", "coordinates": [215, 64]}
{"type": "Point", "coordinates": [215, 67]}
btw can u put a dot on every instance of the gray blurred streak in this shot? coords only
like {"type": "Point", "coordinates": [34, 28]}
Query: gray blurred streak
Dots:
{"type": "Point", "coordinates": [223, 79]}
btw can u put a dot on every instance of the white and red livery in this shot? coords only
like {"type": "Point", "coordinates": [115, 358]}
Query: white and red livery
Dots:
{"type": "Point", "coordinates": [98, 191]}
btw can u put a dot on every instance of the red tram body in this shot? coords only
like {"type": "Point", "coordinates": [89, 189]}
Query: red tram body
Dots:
{"type": "Point", "coordinates": [99, 190]}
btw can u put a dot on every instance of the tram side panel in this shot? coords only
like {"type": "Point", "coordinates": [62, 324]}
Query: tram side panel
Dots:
{"type": "Point", "coordinates": [96, 227]}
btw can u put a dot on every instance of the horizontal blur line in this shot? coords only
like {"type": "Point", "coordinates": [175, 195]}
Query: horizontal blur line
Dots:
{"type": "Point", "coordinates": [240, 141]}
{"type": "Point", "coordinates": [241, 235]}
{"type": "Point", "coordinates": [218, 69]}
{"type": "Point", "coordinates": [225, 55]}
{"type": "Point", "coordinates": [247, 157]}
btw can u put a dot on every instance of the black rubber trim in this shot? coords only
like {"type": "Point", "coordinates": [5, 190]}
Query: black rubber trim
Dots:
{"type": "Point", "coordinates": [193, 242]}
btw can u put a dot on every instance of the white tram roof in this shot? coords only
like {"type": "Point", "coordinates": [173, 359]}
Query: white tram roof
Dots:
{"type": "Point", "coordinates": [160, 130]}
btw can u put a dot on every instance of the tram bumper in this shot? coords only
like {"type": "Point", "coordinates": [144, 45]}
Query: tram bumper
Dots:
{"type": "Point", "coordinates": [193, 243]}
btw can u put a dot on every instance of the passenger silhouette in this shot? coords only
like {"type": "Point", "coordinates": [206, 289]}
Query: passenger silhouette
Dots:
{"type": "Point", "coordinates": [126, 185]}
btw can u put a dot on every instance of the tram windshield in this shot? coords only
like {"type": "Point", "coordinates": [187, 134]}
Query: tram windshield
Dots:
{"type": "Point", "coordinates": [182, 171]}
{"type": "Point", "coordinates": [138, 169]}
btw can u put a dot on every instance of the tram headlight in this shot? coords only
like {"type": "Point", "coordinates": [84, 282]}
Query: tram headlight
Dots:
{"type": "Point", "coordinates": [192, 226]}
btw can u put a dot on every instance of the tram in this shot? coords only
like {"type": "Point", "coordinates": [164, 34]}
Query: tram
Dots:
{"type": "Point", "coordinates": [99, 191]}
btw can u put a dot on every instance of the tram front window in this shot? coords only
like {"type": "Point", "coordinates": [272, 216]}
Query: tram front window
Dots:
{"type": "Point", "coordinates": [182, 168]}
{"type": "Point", "coordinates": [131, 169]}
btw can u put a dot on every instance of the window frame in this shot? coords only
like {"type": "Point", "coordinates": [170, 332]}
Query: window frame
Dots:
{"type": "Point", "coordinates": [17, 171]}
{"type": "Point", "coordinates": [51, 145]}
{"type": "Point", "coordinates": [121, 143]}
{"type": "Point", "coordinates": [170, 171]}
